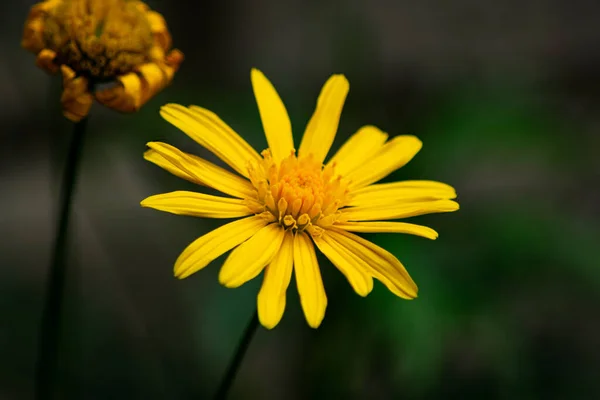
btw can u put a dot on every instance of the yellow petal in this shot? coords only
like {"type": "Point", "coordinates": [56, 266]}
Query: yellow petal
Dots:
{"type": "Point", "coordinates": [215, 243]}
{"type": "Point", "coordinates": [309, 281]}
{"type": "Point", "coordinates": [248, 259]}
{"type": "Point", "coordinates": [425, 185]}
{"type": "Point", "coordinates": [197, 205]}
{"type": "Point", "coordinates": [125, 96]}
{"type": "Point", "coordinates": [404, 191]}
{"type": "Point", "coordinates": [213, 134]}
{"type": "Point", "coordinates": [323, 125]}
{"type": "Point", "coordinates": [353, 268]}
{"type": "Point", "coordinates": [358, 149]}
{"type": "Point", "coordinates": [201, 171]}
{"type": "Point", "coordinates": [274, 116]}
{"type": "Point", "coordinates": [153, 81]}
{"type": "Point", "coordinates": [135, 89]}
{"type": "Point", "coordinates": [397, 210]}
{"type": "Point", "coordinates": [155, 158]}
{"type": "Point", "coordinates": [159, 30]}
{"type": "Point", "coordinates": [385, 267]}
{"type": "Point", "coordinates": [272, 296]}
{"type": "Point", "coordinates": [172, 61]}
{"type": "Point", "coordinates": [215, 123]}
{"type": "Point", "coordinates": [46, 60]}
{"type": "Point", "coordinates": [394, 227]}
{"type": "Point", "coordinates": [33, 35]}
{"type": "Point", "coordinates": [394, 154]}
{"type": "Point", "coordinates": [158, 26]}
{"type": "Point", "coordinates": [35, 24]}
{"type": "Point", "coordinates": [76, 99]}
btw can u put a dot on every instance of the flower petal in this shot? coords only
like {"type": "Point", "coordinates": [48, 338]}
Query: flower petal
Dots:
{"type": "Point", "coordinates": [218, 125]}
{"type": "Point", "coordinates": [274, 116]}
{"type": "Point", "coordinates": [213, 134]}
{"type": "Point", "coordinates": [198, 170]}
{"type": "Point", "coordinates": [33, 34]}
{"type": "Point", "coordinates": [248, 259]}
{"type": "Point", "coordinates": [394, 227]}
{"type": "Point", "coordinates": [323, 125]}
{"type": "Point", "coordinates": [394, 154]}
{"type": "Point", "coordinates": [353, 268]}
{"type": "Point", "coordinates": [385, 267]}
{"type": "Point", "coordinates": [397, 210]}
{"type": "Point", "coordinates": [423, 184]}
{"type": "Point", "coordinates": [215, 243]}
{"type": "Point", "coordinates": [159, 30]}
{"type": "Point", "coordinates": [46, 60]}
{"type": "Point", "coordinates": [76, 99]}
{"type": "Point", "coordinates": [405, 191]}
{"type": "Point", "coordinates": [309, 281]}
{"type": "Point", "coordinates": [358, 149]}
{"type": "Point", "coordinates": [197, 205]}
{"type": "Point", "coordinates": [272, 296]}
{"type": "Point", "coordinates": [136, 88]}
{"type": "Point", "coordinates": [155, 158]}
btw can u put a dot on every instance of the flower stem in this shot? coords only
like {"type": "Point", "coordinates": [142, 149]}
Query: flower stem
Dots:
{"type": "Point", "coordinates": [236, 362]}
{"type": "Point", "coordinates": [45, 372]}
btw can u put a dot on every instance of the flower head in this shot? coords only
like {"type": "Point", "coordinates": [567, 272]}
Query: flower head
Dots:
{"type": "Point", "coordinates": [289, 202]}
{"type": "Point", "coordinates": [99, 41]}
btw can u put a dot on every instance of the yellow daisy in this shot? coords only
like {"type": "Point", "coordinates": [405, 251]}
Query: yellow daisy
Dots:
{"type": "Point", "coordinates": [290, 201]}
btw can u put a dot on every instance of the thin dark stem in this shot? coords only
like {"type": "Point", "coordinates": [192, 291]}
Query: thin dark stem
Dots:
{"type": "Point", "coordinates": [45, 372]}
{"type": "Point", "coordinates": [236, 362]}
{"type": "Point", "coordinates": [56, 137]}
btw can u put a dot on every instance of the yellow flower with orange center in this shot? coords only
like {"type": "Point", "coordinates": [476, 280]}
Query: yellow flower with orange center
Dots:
{"type": "Point", "coordinates": [289, 202]}
{"type": "Point", "coordinates": [98, 41]}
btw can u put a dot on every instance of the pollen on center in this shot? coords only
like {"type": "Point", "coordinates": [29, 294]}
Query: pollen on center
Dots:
{"type": "Point", "coordinates": [299, 193]}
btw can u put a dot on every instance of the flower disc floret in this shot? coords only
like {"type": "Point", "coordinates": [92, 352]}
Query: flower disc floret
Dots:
{"type": "Point", "coordinates": [299, 193]}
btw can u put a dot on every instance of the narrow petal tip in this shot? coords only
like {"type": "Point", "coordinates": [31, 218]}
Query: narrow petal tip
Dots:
{"type": "Point", "coordinates": [429, 233]}
{"type": "Point", "coordinates": [227, 280]}
{"type": "Point", "coordinates": [177, 273]}
{"type": "Point", "coordinates": [314, 322]}
{"type": "Point", "coordinates": [169, 106]}
{"type": "Point", "coordinates": [255, 72]}
{"type": "Point", "coordinates": [414, 293]}
{"type": "Point", "coordinates": [145, 202]}
{"type": "Point", "coordinates": [267, 326]}
{"type": "Point", "coordinates": [453, 206]}
{"type": "Point", "coordinates": [343, 81]}
{"type": "Point", "coordinates": [416, 142]}
{"type": "Point", "coordinates": [183, 270]}
{"type": "Point", "coordinates": [256, 76]}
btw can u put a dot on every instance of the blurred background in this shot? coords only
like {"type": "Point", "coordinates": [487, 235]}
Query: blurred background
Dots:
{"type": "Point", "coordinates": [506, 98]}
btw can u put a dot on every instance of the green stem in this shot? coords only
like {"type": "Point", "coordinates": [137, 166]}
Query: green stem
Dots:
{"type": "Point", "coordinates": [236, 362]}
{"type": "Point", "coordinates": [47, 361]}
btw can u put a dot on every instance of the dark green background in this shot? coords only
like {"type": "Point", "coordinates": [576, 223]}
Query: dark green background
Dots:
{"type": "Point", "coordinates": [505, 97]}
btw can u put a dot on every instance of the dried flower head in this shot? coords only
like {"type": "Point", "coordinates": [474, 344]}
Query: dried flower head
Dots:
{"type": "Point", "coordinates": [100, 41]}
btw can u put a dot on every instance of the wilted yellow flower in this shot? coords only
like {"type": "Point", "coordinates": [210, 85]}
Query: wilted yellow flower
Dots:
{"type": "Point", "coordinates": [98, 41]}
{"type": "Point", "coordinates": [292, 201]}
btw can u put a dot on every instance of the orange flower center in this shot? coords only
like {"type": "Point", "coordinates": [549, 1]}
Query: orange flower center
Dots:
{"type": "Point", "coordinates": [299, 193]}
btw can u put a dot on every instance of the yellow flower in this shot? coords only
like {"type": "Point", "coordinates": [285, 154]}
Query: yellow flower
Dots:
{"type": "Point", "coordinates": [291, 201]}
{"type": "Point", "coordinates": [97, 41]}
